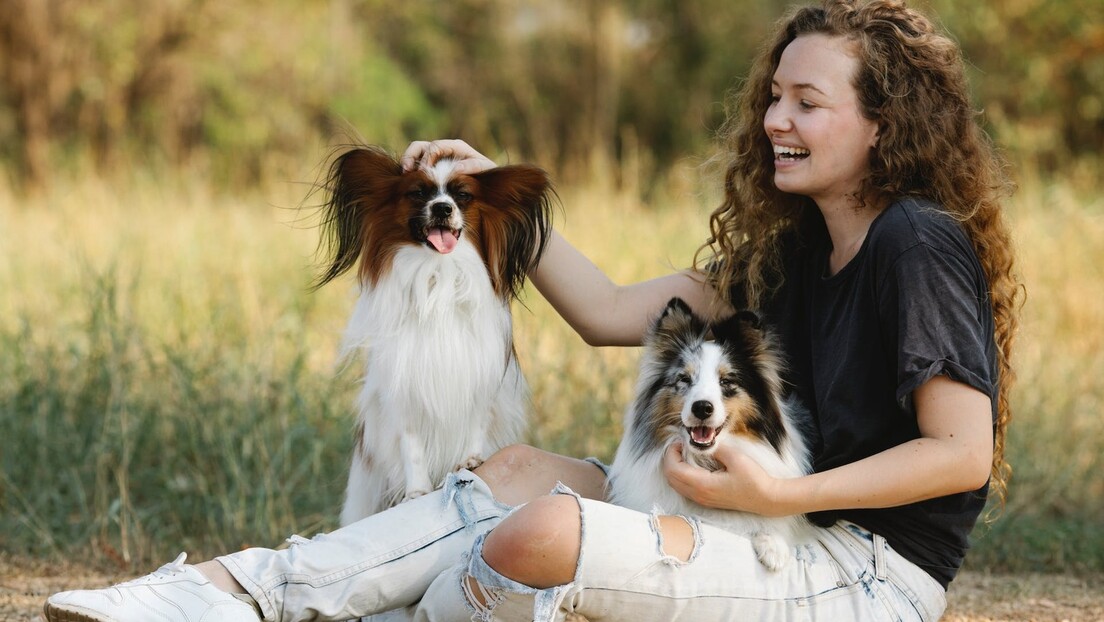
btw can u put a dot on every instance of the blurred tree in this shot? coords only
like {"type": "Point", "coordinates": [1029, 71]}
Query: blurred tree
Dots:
{"type": "Point", "coordinates": [86, 76]}
{"type": "Point", "coordinates": [30, 82]}
{"type": "Point", "coordinates": [243, 89]}
{"type": "Point", "coordinates": [1038, 72]}
{"type": "Point", "coordinates": [571, 83]}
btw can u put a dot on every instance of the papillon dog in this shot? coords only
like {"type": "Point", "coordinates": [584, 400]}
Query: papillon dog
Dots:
{"type": "Point", "coordinates": [440, 256]}
{"type": "Point", "coordinates": [705, 394]}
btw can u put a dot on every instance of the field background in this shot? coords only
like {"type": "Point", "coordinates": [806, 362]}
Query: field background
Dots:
{"type": "Point", "coordinates": [169, 382]}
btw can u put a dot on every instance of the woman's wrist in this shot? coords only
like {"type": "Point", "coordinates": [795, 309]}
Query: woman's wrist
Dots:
{"type": "Point", "coordinates": [788, 496]}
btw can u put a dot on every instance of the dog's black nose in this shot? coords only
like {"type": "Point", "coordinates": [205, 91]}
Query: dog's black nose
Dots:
{"type": "Point", "coordinates": [702, 409]}
{"type": "Point", "coordinates": [441, 210]}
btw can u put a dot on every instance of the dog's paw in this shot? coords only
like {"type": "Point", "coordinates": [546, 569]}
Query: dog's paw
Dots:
{"type": "Point", "coordinates": [414, 494]}
{"type": "Point", "coordinates": [470, 463]}
{"type": "Point", "coordinates": [772, 550]}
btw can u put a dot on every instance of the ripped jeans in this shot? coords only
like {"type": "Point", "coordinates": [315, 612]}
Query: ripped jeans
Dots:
{"type": "Point", "coordinates": [383, 562]}
{"type": "Point", "coordinates": [623, 573]}
{"type": "Point", "coordinates": [420, 555]}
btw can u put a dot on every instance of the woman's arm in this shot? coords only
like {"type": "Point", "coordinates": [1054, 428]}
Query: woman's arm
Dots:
{"type": "Point", "coordinates": [601, 311]}
{"type": "Point", "coordinates": [953, 454]}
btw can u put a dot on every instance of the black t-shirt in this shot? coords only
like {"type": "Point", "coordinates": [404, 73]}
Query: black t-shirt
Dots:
{"type": "Point", "coordinates": [912, 304]}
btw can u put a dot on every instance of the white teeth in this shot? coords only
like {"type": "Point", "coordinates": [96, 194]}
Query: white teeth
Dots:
{"type": "Point", "coordinates": [793, 151]}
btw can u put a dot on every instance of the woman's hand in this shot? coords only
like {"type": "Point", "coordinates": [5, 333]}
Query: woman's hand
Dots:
{"type": "Point", "coordinates": [426, 153]}
{"type": "Point", "coordinates": [740, 485]}
{"type": "Point", "coordinates": [952, 455]}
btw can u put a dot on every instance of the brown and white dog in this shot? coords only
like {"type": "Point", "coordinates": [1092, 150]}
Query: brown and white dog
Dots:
{"type": "Point", "coordinates": [440, 256]}
{"type": "Point", "coordinates": [708, 393]}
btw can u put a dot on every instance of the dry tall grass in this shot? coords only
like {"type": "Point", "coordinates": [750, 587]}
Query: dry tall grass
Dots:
{"type": "Point", "coordinates": [165, 371]}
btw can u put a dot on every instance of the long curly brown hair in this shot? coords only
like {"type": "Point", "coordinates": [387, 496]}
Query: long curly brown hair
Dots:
{"type": "Point", "coordinates": [911, 80]}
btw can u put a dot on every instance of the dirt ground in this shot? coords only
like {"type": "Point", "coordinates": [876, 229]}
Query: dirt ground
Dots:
{"type": "Point", "coordinates": [974, 597]}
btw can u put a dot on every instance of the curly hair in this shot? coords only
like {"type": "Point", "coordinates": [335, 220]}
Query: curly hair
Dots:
{"type": "Point", "coordinates": [910, 80]}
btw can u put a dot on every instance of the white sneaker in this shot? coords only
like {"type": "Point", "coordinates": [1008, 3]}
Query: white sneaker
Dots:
{"type": "Point", "coordinates": [175, 592]}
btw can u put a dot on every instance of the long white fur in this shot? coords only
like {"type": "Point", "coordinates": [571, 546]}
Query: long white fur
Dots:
{"type": "Point", "coordinates": [636, 476]}
{"type": "Point", "coordinates": [442, 388]}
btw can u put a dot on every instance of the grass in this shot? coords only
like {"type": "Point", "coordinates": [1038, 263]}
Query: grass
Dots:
{"type": "Point", "coordinates": [168, 381]}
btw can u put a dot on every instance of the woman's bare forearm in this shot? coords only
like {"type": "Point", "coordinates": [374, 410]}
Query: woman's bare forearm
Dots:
{"type": "Point", "coordinates": [601, 311]}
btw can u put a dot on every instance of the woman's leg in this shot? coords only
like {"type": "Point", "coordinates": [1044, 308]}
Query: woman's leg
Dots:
{"type": "Point", "coordinates": [563, 555]}
{"type": "Point", "coordinates": [389, 559]}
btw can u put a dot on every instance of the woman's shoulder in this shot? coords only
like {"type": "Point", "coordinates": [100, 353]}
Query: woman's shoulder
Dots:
{"type": "Point", "coordinates": [911, 222]}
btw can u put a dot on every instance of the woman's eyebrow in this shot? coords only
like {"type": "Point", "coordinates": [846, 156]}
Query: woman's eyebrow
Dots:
{"type": "Point", "coordinates": [802, 86]}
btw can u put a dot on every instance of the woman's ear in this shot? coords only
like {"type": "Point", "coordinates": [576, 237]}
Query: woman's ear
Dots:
{"type": "Point", "coordinates": [877, 135]}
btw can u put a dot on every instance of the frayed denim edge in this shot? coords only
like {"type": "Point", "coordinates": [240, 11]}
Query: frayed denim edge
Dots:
{"type": "Point", "coordinates": [545, 601]}
{"type": "Point", "coordinates": [462, 481]}
{"type": "Point", "coordinates": [661, 550]}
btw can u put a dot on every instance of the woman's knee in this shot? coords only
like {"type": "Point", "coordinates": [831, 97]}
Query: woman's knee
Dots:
{"type": "Point", "coordinates": [538, 545]}
{"type": "Point", "coordinates": [518, 474]}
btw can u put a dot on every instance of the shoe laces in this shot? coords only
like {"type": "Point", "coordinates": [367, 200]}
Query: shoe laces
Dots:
{"type": "Point", "coordinates": [170, 569]}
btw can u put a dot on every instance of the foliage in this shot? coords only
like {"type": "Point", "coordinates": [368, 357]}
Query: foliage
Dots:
{"type": "Point", "coordinates": [244, 90]}
{"type": "Point", "coordinates": [1038, 72]}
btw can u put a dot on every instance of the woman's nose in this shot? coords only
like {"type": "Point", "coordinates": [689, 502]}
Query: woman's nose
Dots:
{"type": "Point", "coordinates": [776, 119]}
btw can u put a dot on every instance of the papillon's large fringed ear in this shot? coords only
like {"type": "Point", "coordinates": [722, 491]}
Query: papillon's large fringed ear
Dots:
{"type": "Point", "coordinates": [515, 231]}
{"type": "Point", "coordinates": [359, 179]}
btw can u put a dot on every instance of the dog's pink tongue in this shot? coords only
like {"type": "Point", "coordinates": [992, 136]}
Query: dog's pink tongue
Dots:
{"type": "Point", "coordinates": [444, 240]}
{"type": "Point", "coordinates": [701, 434]}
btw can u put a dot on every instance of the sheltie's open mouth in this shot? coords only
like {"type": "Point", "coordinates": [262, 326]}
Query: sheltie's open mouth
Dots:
{"type": "Point", "coordinates": [702, 437]}
{"type": "Point", "coordinates": [443, 239]}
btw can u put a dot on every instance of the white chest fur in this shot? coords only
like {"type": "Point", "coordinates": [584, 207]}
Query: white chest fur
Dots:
{"type": "Point", "coordinates": [441, 386]}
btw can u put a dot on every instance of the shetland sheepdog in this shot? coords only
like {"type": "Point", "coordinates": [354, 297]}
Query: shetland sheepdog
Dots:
{"type": "Point", "coordinates": [708, 393]}
{"type": "Point", "coordinates": [439, 256]}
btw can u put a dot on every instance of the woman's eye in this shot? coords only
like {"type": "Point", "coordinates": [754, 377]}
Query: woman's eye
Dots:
{"type": "Point", "coordinates": [806, 105]}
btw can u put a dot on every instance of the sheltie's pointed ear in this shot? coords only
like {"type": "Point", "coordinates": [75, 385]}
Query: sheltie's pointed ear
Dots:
{"type": "Point", "coordinates": [359, 180]}
{"type": "Point", "coordinates": [675, 328]}
{"type": "Point", "coordinates": [750, 318]}
{"type": "Point", "coordinates": [739, 327]}
{"type": "Point", "coordinates": [516, 228]}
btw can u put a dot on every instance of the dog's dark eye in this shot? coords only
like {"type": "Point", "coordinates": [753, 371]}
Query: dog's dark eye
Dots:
{"type": "Point", "coordinates": [418, 194]}
{"type": "Point", "coordinates": [683, 378]}
{"type": "Point", "coordinates": [463, 197]}
{"type": "Point", "coordinates": [730, 385]}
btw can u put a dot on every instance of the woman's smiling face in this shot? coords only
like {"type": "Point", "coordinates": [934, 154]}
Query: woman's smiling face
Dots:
{"type": "Point", "coordinates": [821, 139]}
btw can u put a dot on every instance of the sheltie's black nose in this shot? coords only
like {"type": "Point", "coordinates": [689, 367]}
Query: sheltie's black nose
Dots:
{"type": "Point", "coordinates": [702, 409]}
{"type": "Point", "coordinates": [441, 210]}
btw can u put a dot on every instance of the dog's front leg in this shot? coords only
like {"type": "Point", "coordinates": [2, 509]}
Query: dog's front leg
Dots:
{"type": "Point", "coordinates": [415, 469]}
{"type": "Point", "coordinates": [474, 456]}
{"type": "Point", "coordinates": [772, 549]}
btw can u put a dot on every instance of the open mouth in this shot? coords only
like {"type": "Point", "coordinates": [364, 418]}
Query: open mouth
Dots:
{"type": "Point", "coordinates": [443, 239]}
{"type": "Point", "coordinates": [702, 436]}
{"type": "Point", "coordinates": [790, 154]}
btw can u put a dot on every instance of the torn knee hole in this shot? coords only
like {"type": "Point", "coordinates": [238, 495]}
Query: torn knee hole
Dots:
{"type": "Point", "coordinates": [678, 537]}
{"type": "Point", "coordinates": [481, 598]}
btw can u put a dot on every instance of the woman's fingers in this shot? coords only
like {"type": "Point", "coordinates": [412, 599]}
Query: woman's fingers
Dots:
{"type": "Point", "coordinates": [424, 154]}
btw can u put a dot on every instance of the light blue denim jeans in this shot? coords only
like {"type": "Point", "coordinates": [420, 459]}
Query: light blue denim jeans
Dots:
{"type": "Point", "coordinates": [845, 573]}
{"type": "Point", "coordinates": [419, 555]}
{"type": "Point", "coordinates": [383, 562]}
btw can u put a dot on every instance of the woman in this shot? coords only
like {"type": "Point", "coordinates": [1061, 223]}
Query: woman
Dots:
{"type": "Point", "coordinates": [862, 218]}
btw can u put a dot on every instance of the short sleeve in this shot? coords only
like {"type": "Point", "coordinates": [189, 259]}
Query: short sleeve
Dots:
{"type": "Point", "coordinates": [944, 321]}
